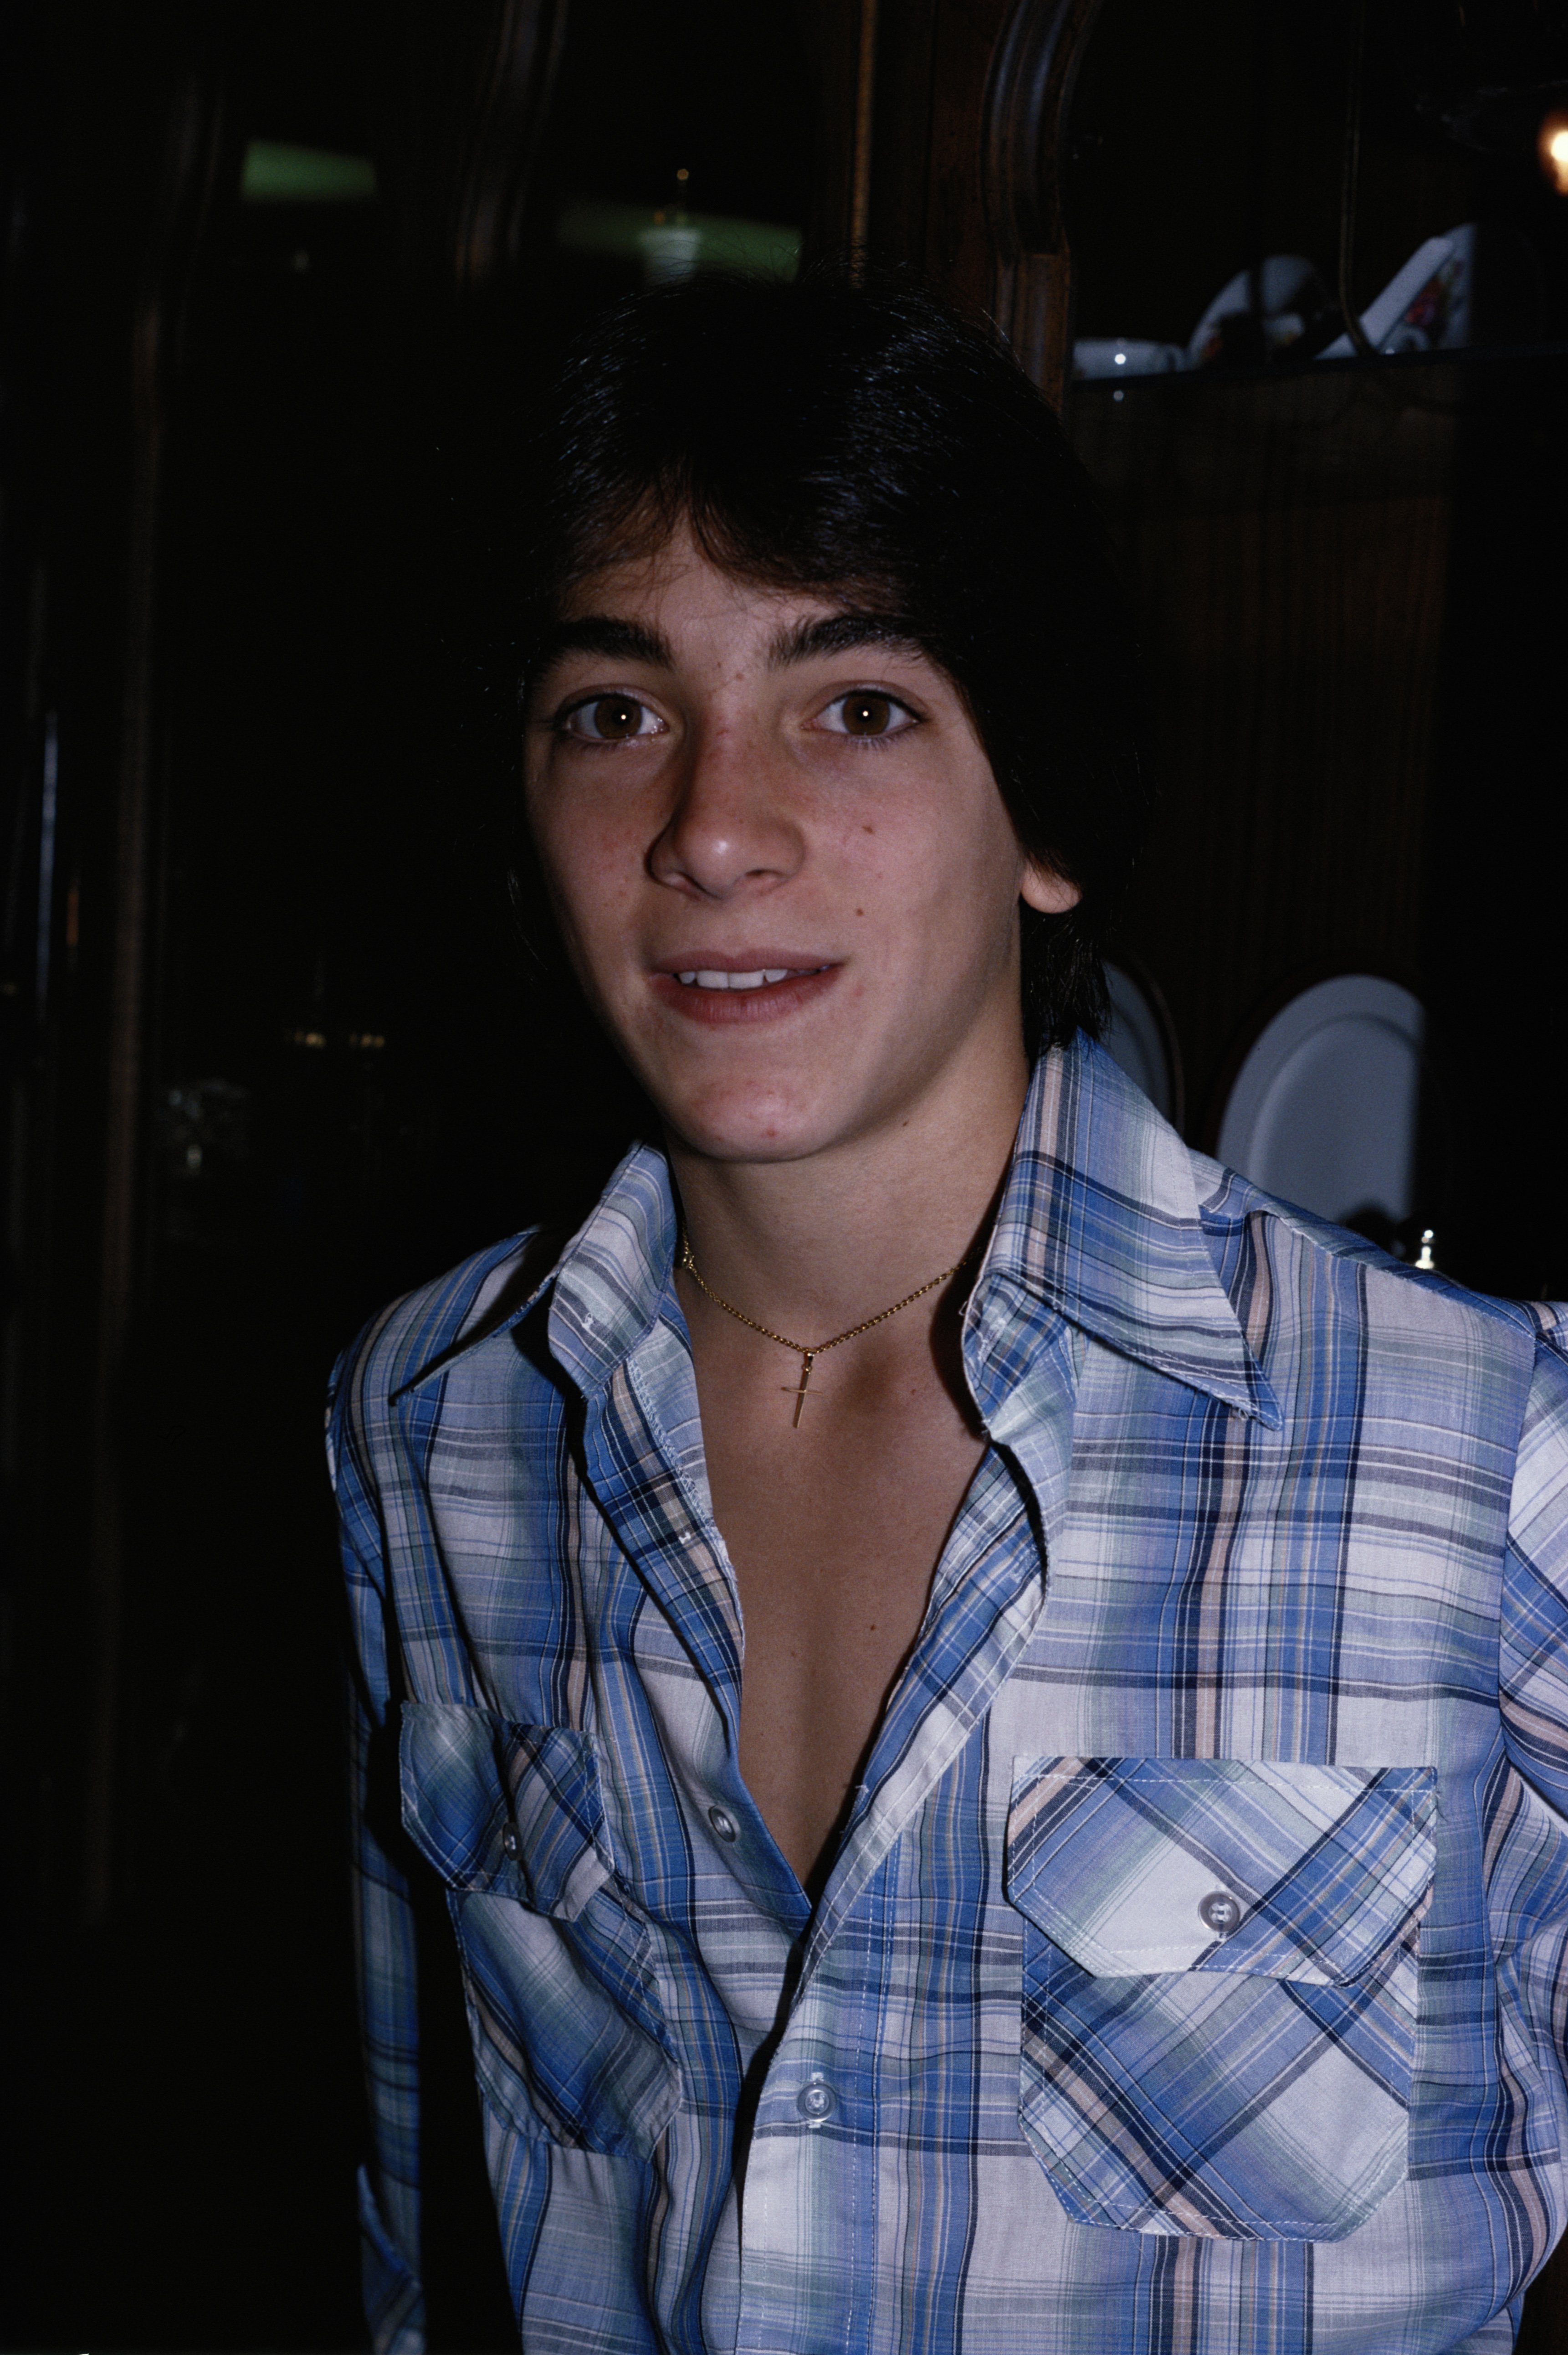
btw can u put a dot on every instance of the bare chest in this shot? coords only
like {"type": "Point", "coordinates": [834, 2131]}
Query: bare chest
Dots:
{"type": "Point", "coordinates": [834, 1528]}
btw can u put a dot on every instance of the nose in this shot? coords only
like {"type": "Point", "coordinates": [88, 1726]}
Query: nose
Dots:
{"type": "Point", "coordinates": [730, 828]}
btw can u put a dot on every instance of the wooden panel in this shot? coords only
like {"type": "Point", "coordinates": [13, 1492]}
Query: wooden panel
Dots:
{"type": "Point", "coordinates": [463, 99]}
{"type": "Point", "coordinates": [1033, 76]}
{"type": "Point", "coordinates": [905, 97]}
{"type": "Point", "coordinates": [953, 165]}
{"type": "Point", "coordinates": [837, 35]}
{"type": "Point", "coordinates": [959, 251]}
{"type": "Point", "coordinates": [1285, 545]}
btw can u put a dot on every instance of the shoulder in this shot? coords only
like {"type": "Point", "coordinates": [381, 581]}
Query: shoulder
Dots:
{"type": "Point", "coordinates": [417, 1333]}
{"type": "Point", "coordinates": [1540, 1494]}
{"type": "Point", "coordinates": [1322, 1273]}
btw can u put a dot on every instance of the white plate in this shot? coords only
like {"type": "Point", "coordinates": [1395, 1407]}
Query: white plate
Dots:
{"type": "Point", "coordinates": [1289, 293]}
{"type": "Point", "coordinates": [1125, 356]}
{"type": "Point", "coordinates": [1324, 1108]}
{"type": "Point", "coordinates": [1425, 306]}
{"type": "Point", "coordinates": [1135, 1037]}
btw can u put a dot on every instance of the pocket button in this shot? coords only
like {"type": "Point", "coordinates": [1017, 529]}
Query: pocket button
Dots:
{"type": "Point", "coordinates": [722, 1822]}
{"type": "Point", "coordinates": [816, 2101]}
{"type": "Point", "coordinates": [509, 1840]}
{"type": "Point", "coordinates": [1220, 1912]}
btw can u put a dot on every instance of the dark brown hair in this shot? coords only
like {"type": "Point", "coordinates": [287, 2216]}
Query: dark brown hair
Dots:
{"type": "Point", "coordinates": [866, 440]}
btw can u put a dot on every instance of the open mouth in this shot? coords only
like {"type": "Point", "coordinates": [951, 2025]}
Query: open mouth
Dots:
{"type": "Point", "coordinates": [725, 994]}
{"type": "Point", "coordinates": [706, 978]}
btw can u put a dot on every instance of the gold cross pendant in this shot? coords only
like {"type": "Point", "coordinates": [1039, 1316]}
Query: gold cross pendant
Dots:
{"type": "Point", "coordinates": [800, 1395]}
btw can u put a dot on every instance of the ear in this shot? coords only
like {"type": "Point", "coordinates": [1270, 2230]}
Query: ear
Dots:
{"type": "Point", "coordinates": [1043, 888]}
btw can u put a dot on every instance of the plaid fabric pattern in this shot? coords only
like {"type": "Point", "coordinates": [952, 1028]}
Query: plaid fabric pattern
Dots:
{"type": "Point", "coordinates": [1201, 1916]}
{"type": "Point", "coordinates": [1192, 1974]}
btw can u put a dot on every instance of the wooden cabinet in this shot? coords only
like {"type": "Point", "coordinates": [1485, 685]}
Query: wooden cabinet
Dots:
{"type": "Point", "coordinates": [1345, 574]}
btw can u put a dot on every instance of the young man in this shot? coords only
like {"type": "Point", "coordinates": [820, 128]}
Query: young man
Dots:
{"type": "Point", "coordinates": [990, 1701]}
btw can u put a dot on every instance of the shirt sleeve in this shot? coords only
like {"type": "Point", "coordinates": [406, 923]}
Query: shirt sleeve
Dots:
{"type": "Point", "coordinates": [1532, 1668]}
{"type": "Point", "coordinates": [1527, 1802]}
{"type": "Point", "coordinates": [384, 1922]}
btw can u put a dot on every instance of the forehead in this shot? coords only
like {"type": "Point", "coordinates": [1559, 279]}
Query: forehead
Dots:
{"type": "Point", "coordinates": [676, 572]}
{"type": "Point", "coordinates": [671, 605]}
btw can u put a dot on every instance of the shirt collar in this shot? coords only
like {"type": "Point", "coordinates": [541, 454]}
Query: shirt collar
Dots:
{"type": "Point", "coordinates": [1099, 1224]}
{"type": "Point", "coordinates": [616, 1274]}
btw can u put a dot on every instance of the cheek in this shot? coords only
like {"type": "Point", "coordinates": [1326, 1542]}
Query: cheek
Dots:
{"type": "Point", "coordinates": [590, 863]}
{"type": "Point", "coordinates": [947, 856]}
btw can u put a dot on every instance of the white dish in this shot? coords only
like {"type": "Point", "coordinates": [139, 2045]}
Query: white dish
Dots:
{"type": "Point", "coordinates": [1120, 355]}
{"type": "Point", "coordinates": [1425, 306]}
{"type": "Point", "coordinates": [1289, 292]}
{"type": "Point", "coordinates": [1324, 1108]}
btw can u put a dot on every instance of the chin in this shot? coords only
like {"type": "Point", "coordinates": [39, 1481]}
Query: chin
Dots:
{"type": "Point", "coordinates": [746, 1123]}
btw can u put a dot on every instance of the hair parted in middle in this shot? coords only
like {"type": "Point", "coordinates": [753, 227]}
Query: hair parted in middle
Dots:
{"type": "Point", "coordinates": [864, 441]}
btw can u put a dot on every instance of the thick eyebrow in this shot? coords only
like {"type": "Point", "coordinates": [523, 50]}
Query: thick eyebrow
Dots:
{"type": "Point", "coordinates": [602, 634]}
{"type": "Point", "coordinates": [841, 633]}
{"type": "Point", "coordinates": [623, 641]}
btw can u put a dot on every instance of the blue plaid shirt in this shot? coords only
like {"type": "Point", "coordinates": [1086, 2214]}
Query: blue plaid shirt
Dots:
{"type": "Point", "coordinates": [1191, 1973]}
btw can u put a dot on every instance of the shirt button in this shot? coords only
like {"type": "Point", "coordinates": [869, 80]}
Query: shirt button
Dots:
{"type": "Point", "coordinates": [815, 2100]}
{"type": "Point", "coordinates": [1220, 1912]}
{"type": "Point", "coordinates": [509, 1840]}
{"type": "Point", "coordinates": [722, 1824]}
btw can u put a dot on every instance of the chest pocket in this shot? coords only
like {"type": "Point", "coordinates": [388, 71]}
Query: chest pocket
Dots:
{"type": "Point", "coordinates": [1219, 1988]}
{"type": "Point", "coordinates": [568, 2035]}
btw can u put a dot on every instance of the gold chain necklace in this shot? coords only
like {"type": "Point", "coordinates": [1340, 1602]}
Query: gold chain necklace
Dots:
{"type": "Point", "coordinates": [807, 1356]}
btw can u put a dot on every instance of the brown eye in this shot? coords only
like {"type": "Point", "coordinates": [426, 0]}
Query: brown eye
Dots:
{"type": "Point", "coordinates": [610, 719]}
{"type": "Point", "coordinates": [867, 715]}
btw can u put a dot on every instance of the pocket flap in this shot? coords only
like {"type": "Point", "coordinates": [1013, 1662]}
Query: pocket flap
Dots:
{"type": "Point", "coordinates": [513, 1810]}
{"type": "Point", "coordinates": [1280, 1869]}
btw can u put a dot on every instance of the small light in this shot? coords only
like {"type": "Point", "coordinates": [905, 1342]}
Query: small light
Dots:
{"type": "Point", "coordinates": [1552, 146]}
{"type": "Point", "coordinates": [682, 174]}
{"type": "Point", "coordinates": [1120, 358]}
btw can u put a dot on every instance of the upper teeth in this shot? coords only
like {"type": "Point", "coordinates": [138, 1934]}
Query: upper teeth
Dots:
{"type": "Point", "coordinates": [735, 980]}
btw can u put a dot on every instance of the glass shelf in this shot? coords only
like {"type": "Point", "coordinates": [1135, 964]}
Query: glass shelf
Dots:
{"type": "Point", "coordinates": [1208, 158]}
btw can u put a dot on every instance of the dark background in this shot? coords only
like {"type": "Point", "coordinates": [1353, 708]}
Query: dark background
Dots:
{"type": "Point", "coordinates": [271, 1049]}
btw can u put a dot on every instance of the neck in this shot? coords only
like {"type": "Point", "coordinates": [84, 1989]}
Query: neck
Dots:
{"type": "Point", "coordinates": [811, 1244]}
